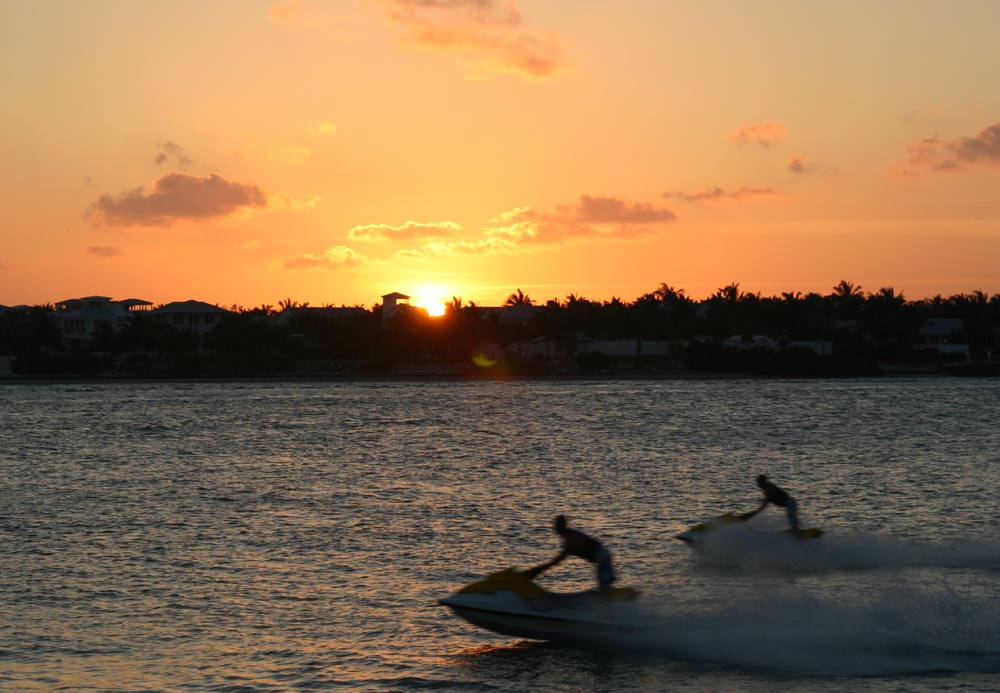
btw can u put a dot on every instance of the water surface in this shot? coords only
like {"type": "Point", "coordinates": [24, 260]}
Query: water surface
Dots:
{"type": "Point", "coordinates": [295, 536]}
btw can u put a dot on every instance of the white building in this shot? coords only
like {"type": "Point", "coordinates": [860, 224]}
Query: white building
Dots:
{"type": "Point", "coordinates": [79, 319]}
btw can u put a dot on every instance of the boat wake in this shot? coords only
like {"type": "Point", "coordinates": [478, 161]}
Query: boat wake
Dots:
{"type": "Point", "coordinates": [741, 547]}
{"type": "Point", "coordinates": [898, 630]}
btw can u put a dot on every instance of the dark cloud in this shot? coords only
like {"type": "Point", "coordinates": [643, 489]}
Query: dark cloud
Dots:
{"type": "Point", "coordinates": [171, 154]}
{"type": "Point", "coordinates": [103, 251]}
{"type": "Point", "coordinates": [802, 165]}
{"type": "Point", "coordinates": [718, 195]}
{"type": "Point", "coordinates": [936, 154]}
{"type": "Point", "coordinates": [177, 197]}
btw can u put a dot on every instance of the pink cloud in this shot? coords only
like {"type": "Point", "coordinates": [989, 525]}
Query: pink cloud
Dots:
{"type": "Point", "coordinates": [178, 197]}
{"type": "Point", "coordinates": [764, 134]}
{"type": "Point", "coordinates": [936, 154]}
{"type": "Point", "coordinates": [490, 35]}
{"type": "Point", "coordinates": [747, 193]}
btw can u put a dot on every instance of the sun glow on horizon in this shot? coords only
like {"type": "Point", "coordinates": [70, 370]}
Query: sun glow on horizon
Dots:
{"type": "Point", "coordinates": [432, 299]}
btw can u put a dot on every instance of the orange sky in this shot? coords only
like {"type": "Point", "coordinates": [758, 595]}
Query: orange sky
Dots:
{"type": "Point", "coordinates": [331, 151]}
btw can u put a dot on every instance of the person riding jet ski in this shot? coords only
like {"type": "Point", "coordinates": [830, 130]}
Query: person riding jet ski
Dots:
{"type": "Point", "coordinates": [778, 496]}
{"type": "Point", "coordinates": [576, 543]}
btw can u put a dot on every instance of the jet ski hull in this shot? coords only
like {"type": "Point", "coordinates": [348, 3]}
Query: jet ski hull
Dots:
{"type": "Point", "coordinates": [508, 603]}
{"type": "Point", "coordinates": [698, 533]}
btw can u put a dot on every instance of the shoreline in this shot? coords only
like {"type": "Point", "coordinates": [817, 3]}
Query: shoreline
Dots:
{"type": "Point", "coordinates": [421, 377]}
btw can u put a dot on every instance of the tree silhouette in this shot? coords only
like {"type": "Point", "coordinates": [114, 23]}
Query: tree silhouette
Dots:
{"type": "Point", "coordinates": [519, 298]}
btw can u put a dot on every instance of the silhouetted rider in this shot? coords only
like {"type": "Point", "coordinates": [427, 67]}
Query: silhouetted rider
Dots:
{"type": "Point", "coordinates": [778, 496]}
{"type": "Point", "coordinates": [576, 543]}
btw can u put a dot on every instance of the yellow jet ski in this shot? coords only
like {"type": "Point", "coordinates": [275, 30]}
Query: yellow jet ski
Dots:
{"type": "Point", "coordinates": [509, 602]}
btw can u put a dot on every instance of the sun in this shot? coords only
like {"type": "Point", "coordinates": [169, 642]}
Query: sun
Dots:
{"type": "Point", "coordinates": [435, 309]}
{"type": "Point", "coordinates": [431, 299]}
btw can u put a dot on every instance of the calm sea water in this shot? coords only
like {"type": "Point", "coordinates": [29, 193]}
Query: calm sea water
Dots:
{"type": "Point", "coordinates": [253, 537]}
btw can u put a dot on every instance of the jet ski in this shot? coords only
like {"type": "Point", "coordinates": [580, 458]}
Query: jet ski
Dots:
{"type": "Point", "coordinates": [509, 602]}
{"type": "Point", "coordinates": [699, 532]}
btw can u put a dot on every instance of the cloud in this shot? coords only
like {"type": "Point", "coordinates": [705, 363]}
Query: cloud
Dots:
{"type": "Point", "coordinates": [292, 12]}
{"type": "Point", "coordinates": [764, 134]}
{"type": "Point", "coordinates": [747, 193]}
{"type": "Point", "coordinates": [590, 218]}
{"type": "Point", "coordinates": [938, 155]}
{"type": "Point", "coordinates": [409, 230]}
{"type": "Point", "coordinates": [178, 197]}
{"type": "Point", "coordinates": [506, 239]}
{"type": "Point", "coordinates": [172, 153]}
{"type": "Point", "coordinates": [337, 257]}
{"type": "Point", "coordinates": [488, 35]}
{"type": "Point", "coordinates": [802, 165]}
{"type": "Point", "coordinates": [281, 153]}
{"type": "Point", "coordinates": [322, 128]}
{"type": "Point", "coordinates": [103, 251]}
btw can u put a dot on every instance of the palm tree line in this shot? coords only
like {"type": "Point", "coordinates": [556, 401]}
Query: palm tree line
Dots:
{"type": "Point", "coordinates": [881, 324]}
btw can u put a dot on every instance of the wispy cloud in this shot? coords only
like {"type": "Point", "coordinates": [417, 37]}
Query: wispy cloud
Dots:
{"type": "Point", "coordinates": [589, 219]}
{"type": "Point", "coordinates": [172, 154]}
{"type": "Point", "coordinates": [323, 128]}
{"type": "Point", "coordinates": [337, 257]}
{"type": "Point", "coordinates": [103, 251]}
{"type": "Point", "coordinates": [409, 230]}
{"type": "Point", "coordinates": [939, 155]}
{"type": "Point", "coordinates": [763, 134]}
{"type": "Point", "coordinates": [292, 12]}
{"type": "Point", "coordinates": [716, 195]}
{"type": "Point", "coordinates": [178, 197]}
{"type": "Point", "coordinates": [802, 165]}
{"type": "Point", "coordinates": [281, 153]}
{"type": "Point", "coordinates": [489, 35]}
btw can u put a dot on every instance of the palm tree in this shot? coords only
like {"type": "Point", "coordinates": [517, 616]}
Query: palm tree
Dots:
{"type": "Point", "coordinates": [518, 299]}
{"type": "Point", "coordinates": [846, 289]}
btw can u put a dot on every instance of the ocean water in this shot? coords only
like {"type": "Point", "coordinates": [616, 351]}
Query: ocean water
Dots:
{"type": "Point", "coordinates": [258, 537]}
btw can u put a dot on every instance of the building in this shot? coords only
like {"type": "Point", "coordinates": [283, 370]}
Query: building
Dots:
{"type": "Point", "coordinates": [943, 335]}
{"type": "Point", "coordinates": [80, 320]}
{"type": "Point", "coordinates": [196, 317]}
{"type": "Point", "coordinates": [394, 303]}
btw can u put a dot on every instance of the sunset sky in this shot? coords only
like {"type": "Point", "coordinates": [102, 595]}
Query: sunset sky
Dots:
{"type": "Point", "coordinates": [331, 151]}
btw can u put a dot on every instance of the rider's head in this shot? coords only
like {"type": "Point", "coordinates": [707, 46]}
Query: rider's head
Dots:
{"type": "Point", "coordinates": [560, 524]}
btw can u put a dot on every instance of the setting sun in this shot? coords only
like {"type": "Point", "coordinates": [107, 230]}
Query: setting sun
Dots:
{"type": "Point", "coordinates": [434, 308]}
{"type": "Point", "coordinates": [430, 298]}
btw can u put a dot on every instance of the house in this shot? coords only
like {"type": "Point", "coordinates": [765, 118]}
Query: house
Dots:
{"type": "Point", "coordinates": [394, 303]}
{"type": "Point", "coordinates": [624, 347]}
{"type": "Point", "coordinates": [757, 341]}
{"type": "Point", "coordinates": [196, 317]}
{"type": "Point", "coordinates": [943, 335]}
{"type": "Point", "coordinates": [80, 319]}
{"type": "Point", "coordinates": [289, 314]}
